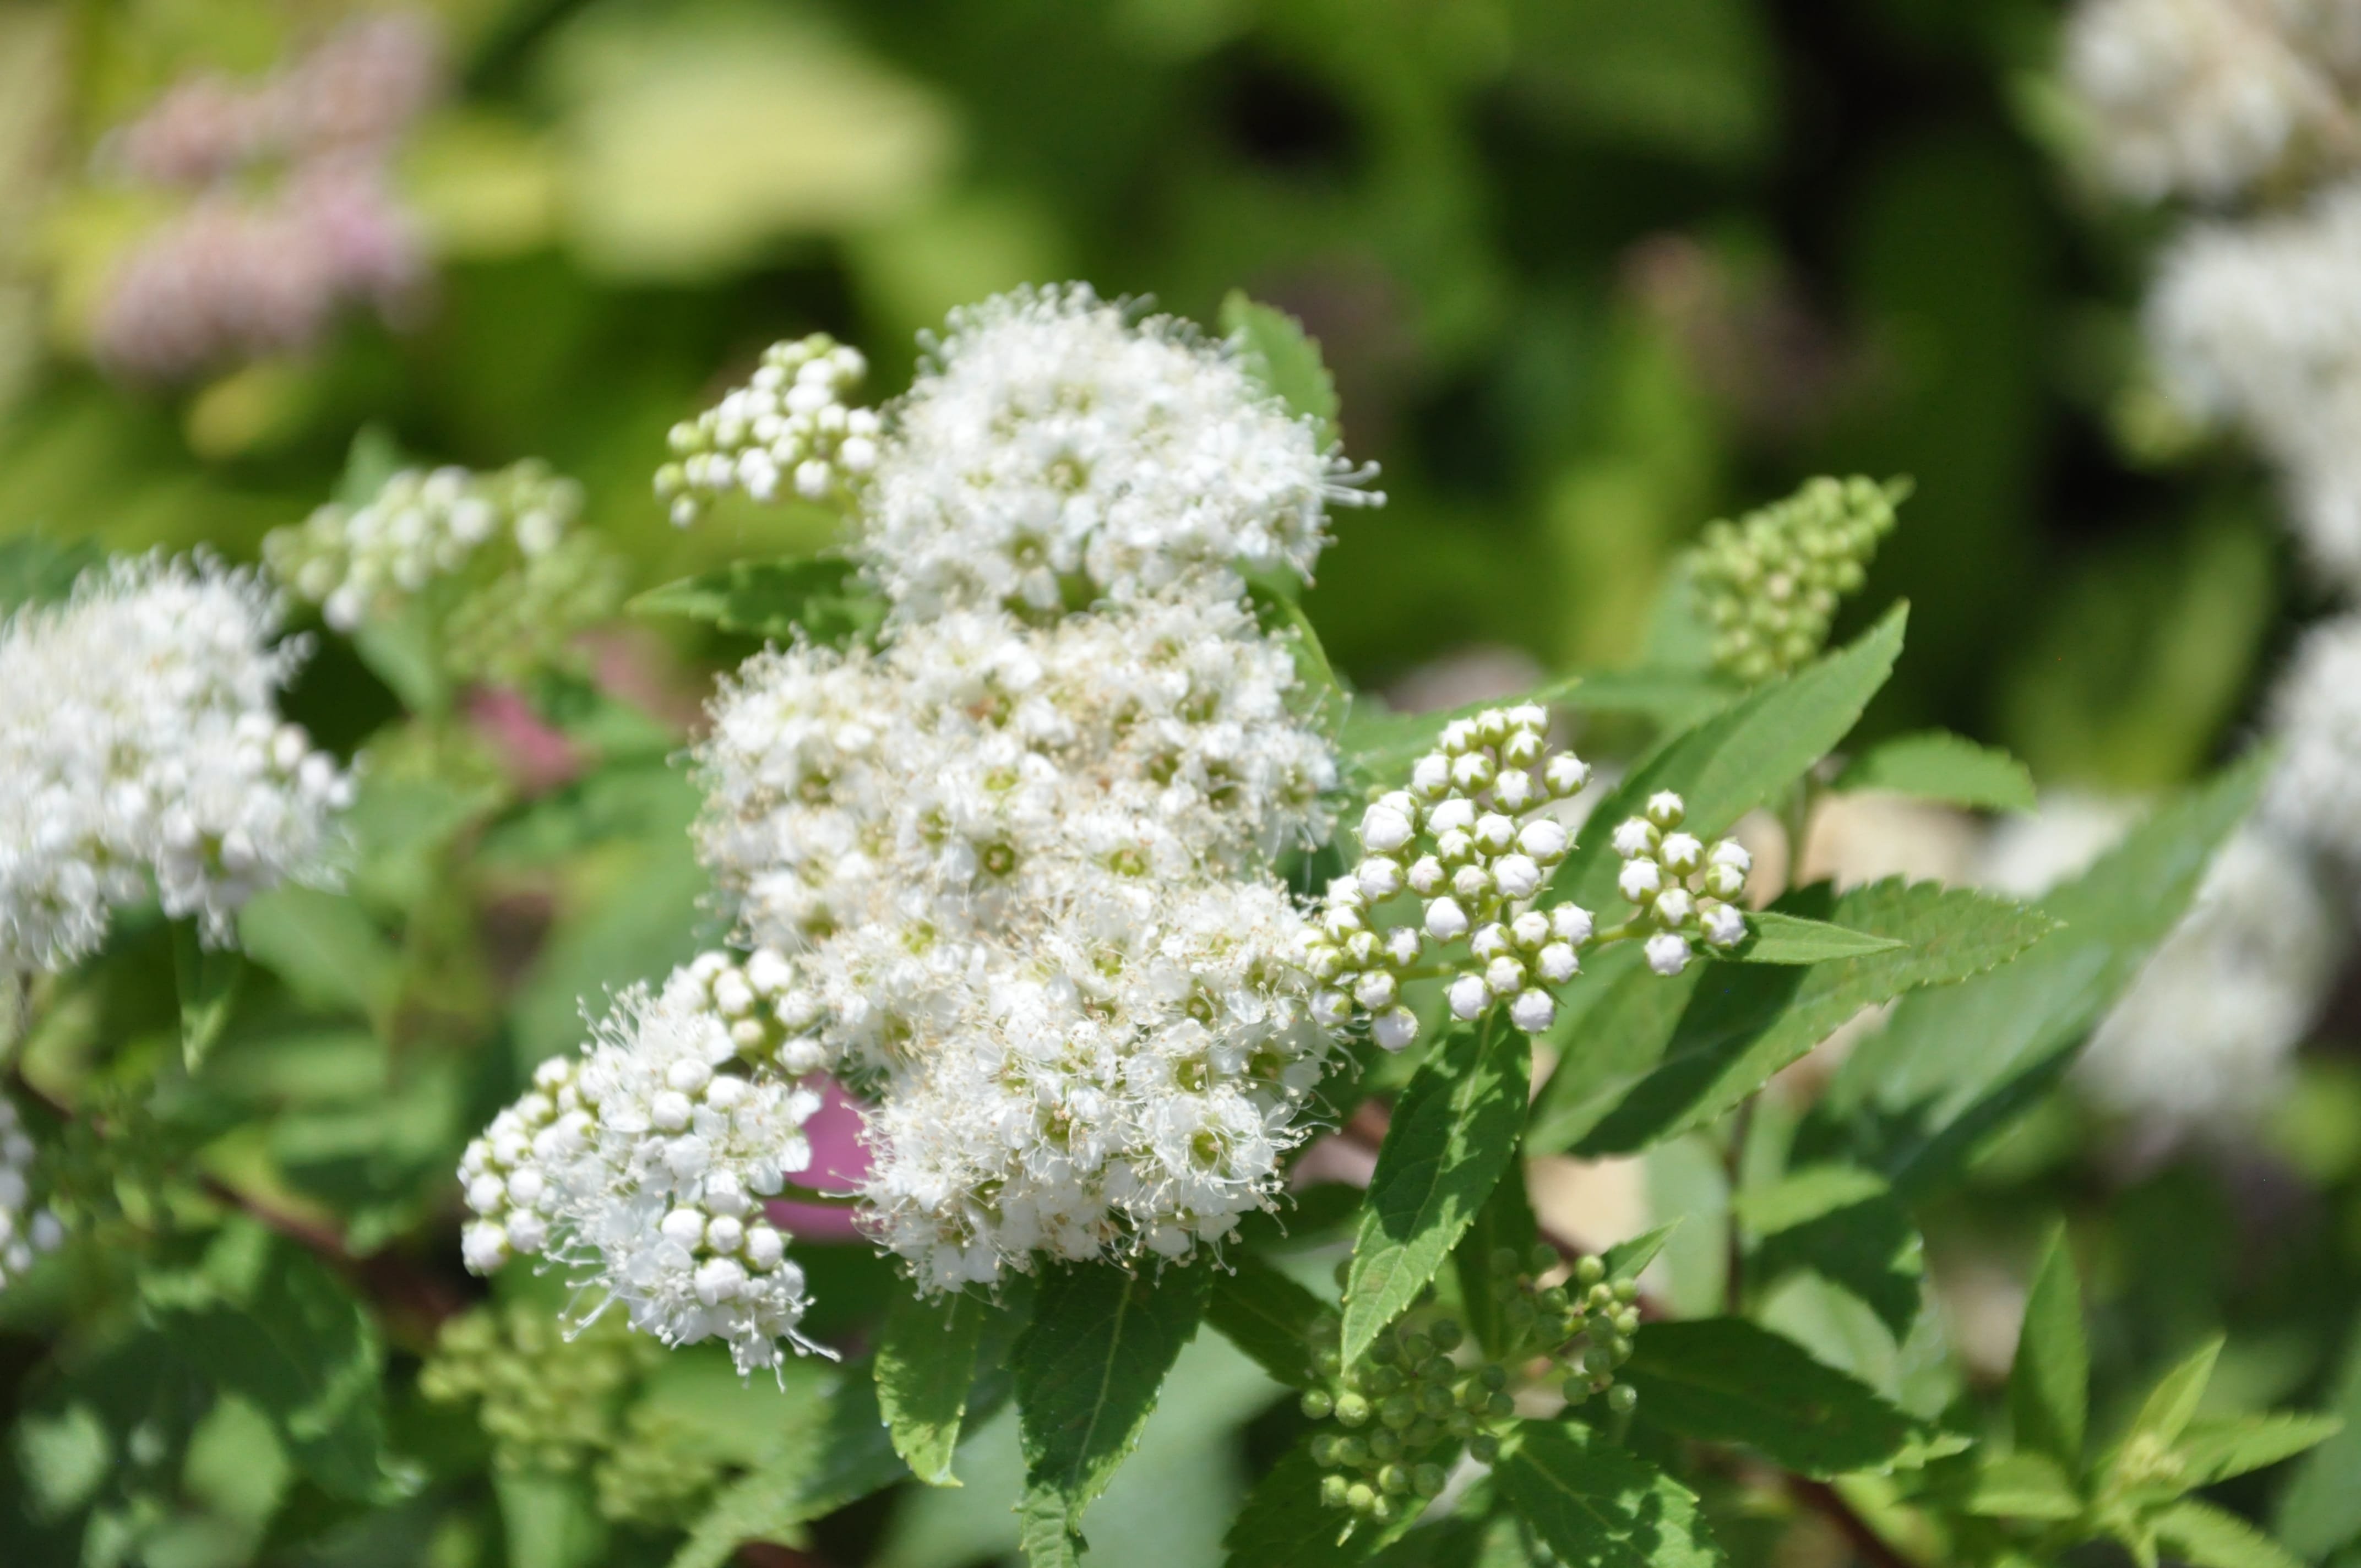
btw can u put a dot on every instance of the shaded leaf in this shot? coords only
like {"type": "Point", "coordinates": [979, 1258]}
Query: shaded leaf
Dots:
{"type": "Point", "coordinates": [1747, 754]}
{"type": "Point", "coordinates": [820, 596]}
{"type": "Point", "coordinates": [1728, 1380]}
{"type": "Point", "coordinates": [1776, 938]}
{"type": "Point", "coordinates": [1803, 1195]}
{"type": "Point", "coordinates": [37, 570]}
{"type": "Point", "coordinates": [926, 1361]}
{"type": "Point", "coordinates": [1453, 1132]}
{"type": "Point", "coordinates": [325, 948]}
{"type": "Point", "coordinates": [208, 981]}
{"type": "Point", "coordinates": [1936, 764]}
{"type": "Point", "coordinates": [549, 1521]}
{"type": "Point", "coordinates": [2049, 1387]}
{"type": "Point", "coordinates": [2165, 1413]}
{"type": "Point", "coordinates": [2022, 1486]}
{"type": "Point", "coordinates": [1089, 1367]}
{"type": "Point", "coordinates": [1624, 1260]}
{"type": "Point", "coordinates": [1504, 1223]}
{"type": "Point", "coordinates": [1597, 1506]}
{"type": "Point", "coordinates": [2215, 1449]}
{"type": "Point", "coordinates": [1271, 1318]}
{"type": "Point", "coordinates": [2321, 1509]}
{"type": "Point", "coordinates": [1869, 1246]}
{"type": "Point", "coordinates": [1285, 1525]}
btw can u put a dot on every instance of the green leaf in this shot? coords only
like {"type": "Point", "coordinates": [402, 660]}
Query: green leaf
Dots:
{"type": "Point", "coordinates": [208, 979]}
{"type": "Point", "coordinates": [1655, 1064]}
{"type": "Point", "coordinates": [1936, 764]}
{"type": "Point", "coordinates": [37, 570]}
{"type": "Point", "coordinates": [1379, 746]}
{"type": "Point", "coordinates": [1742, 756]}
{"type": "Point", "coordinates": [1624, 1260]}
{"type": "Point", "coordinates": [2321, 1509]}
{"type": "Point", "coordinates": [1910, 1101]}
{"type": "Point", "coordinates": [1274, 349]}
{"type": "Point", "coordinates": [374, 458]}
{"type": "Point", "coordinates": [2049, 1389]}
{"type": "Point", "coordinates": [324, 947]}
{"type": "Point", "coordinates": [1271, 1318]}
{"type": "Point", "coordinates": [1504, 1223]}
{"type": "Point", "coordinates": [820, 596]}
{"type": "Point", "coordinates": [1673, 699]}
{"type": "Point", "coordinates": [2215, 1449]}
{"type": "Point", "coordinates": [1805, 1194]}
{"type": "Point", "coordinates": [1728, 1380]}
{"type": "Point", "coordinates": [1869, 1246]}
{"type": "Point", "coordinates": [1597, 1506]}
{"type": "Point", "coordinates": [1453, 1132]}
{"type": "Point", "coordinates": [1089, 1367]}
{"type": "Point", "coordinates": [2208, 1537]}
{"type": "Point", "coordinates": [1279, 614]}
{"type": "Point", "coordinates": [264, 1319]}
{"type": "Point", "coordinates": [926, 1363]}
{"type": "Point", "coordinates": [1047, 1531]}
{"type": "Point", "coordinates": [1776, 938]}
{"type": "Point", "coordinates": [2022, 1486]}
{"type": "Point", "coordinates": [2165, 1413]}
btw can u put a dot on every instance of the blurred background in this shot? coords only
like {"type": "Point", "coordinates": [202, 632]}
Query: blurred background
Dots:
{"type": "Point", "coordinates": [1588, 274]}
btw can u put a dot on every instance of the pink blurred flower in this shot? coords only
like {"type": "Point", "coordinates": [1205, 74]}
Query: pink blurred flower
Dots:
{"type": "Point", "coordinates": [536, 756]}
{"type": "Point", "coordinates": [840, 1163]}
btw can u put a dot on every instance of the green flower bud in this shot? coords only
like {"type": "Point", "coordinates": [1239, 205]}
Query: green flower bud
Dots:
{"type": "Point", "coordinates": [1590, 1271]}
{"type": "Point", "coordinates": [1393, 1478]}
{"type": "Point", "coordinates": [1360, 1497]}
{"type": "Point", "coordinates": [1621, 1398]}
{"type": "Point", "coordinates": [1316, 1404]}
{"type": "Point", "coordinates": [1399, 1411]}
{"type": "Point", "coordinates": [1483, 1448]}
{"type": "Point", "coordinates": [1333, 1490]}
{"type": "Point", "coordinates": [1448, 1335]}
{"type": "Point", "coordinates": [1352, 1409]}
{"type": "Point", "coordinates": [1385, 1444]}
{"type": "Point", "coordinates": [1540, 1258]}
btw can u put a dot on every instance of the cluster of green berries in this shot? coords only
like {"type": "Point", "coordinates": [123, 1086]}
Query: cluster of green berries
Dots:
{"type": "Point", "coordinates": [1406, 1408]}
{"type": "Point", "coordinates": [1410, 1405]}
{"type": "Point", "coordinates": [549, 1403]}
{"type": "Point", "coordinates": [1768, 583]}
{"type": "Point", "coordinates": [659, 1474]}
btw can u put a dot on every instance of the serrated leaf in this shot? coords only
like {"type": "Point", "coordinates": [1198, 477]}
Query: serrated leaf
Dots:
{"type": "Point", "coordinates": [37, 570]}
{"type": "Point", "coordinates": [1089, 1367]}
{"type": "Point", "coordinates": [1740, 1024]}
{"type": "Point", "coordinates": [2049, 1387]}
{"type": "Point", "coordinates": [2208, 1537]}
{"type": "Point", "coordinates": [2320, 1508]}
{"type": "Point", "coordinates": [1868, 1246]}
{"type": "Point", "coordinates": [1047, 1531]}
{"type": "Point", "coordinates": [1748, 753]}
{"type": "Point", "coordinates": [924, 1365]}
{"type": "Point", "coordinates": [1271, 1318]}
{"type": "Point", "coordinates": [1805, 1194]}
{"type": "Point", "coordinates": [2021, 1486]}
{"type": "Point", "coordinates": [1283, 1524]}
{"type": "Point", "coordinates": [1276, 351]}
{"type": "Point", "coordinates": [207, 980]}
{"type": "Point", "coordinates": [2165, 1413]}
{"type": "Point", "coordinates": [1505, 1222]}
{"type": "Point", "coordinates": [1913, 1102]}
{"type": "Point", "coordinates": [1624, 1260]}
{"type": "Point", "coordinates": [1728, 1380]}
{"type": "Point", "coordinates": [1936, 764]}
{"type": "Point", "coordinates": [1597, 1506]}
{"type": "Point", "coordinates": [1776, 938]}
{"type": "Point", "coordinates": [820, 596]}
{"type": "Point", "coordinates": [1453, 1132]}
{"type": "Point", "coordinates": [2215, 1449]}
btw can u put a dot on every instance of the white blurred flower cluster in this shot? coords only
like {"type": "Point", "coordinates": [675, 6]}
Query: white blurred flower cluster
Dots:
{"type": "Point", "coordinates": [1018, 856]}
{"type": "Point", "coordinates": [361, 563]}
{"type": "Point", "coordinates": [239, 274]}
{"type": "Point", "coordinates": [141, 753]}
{"type": "Point", "coordinates": [792, 422]}
{"type": "Point", "coordinates": [2206, 98]}
{"type": "Point", "coordinates": [641, 1165]}
{"type": "Point", "coordinates": [28, 1228]}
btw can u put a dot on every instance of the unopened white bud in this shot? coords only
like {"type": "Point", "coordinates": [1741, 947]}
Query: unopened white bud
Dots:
{"type": "Point", "coordinates": [1532, 1011]}
{"type": "Point", "coordinates": [1513, 791]}
{"type": "Point", "coordinates": [1332, 1009]}
{"type": "Point", "coordinates": [1430, 777]}
{"type": "Point", "coordinates": [1456, 815]}
{"type": "Point", "coordinates": [1674, 905]}
{"type": "Point", "coordinates": [1668, 953]}
{"type": "Point", "coordinates": [1640, 880]}
{"type": "Point", "coordinates": [1491, 940]}
{"type": "Point", "coordinates": [1394, 1029]}
{"type": "Point", "coordinates": [1384, 829]}
{"type": "Point", "coordinates": [1571, 922]}
{"type": "Point", "coordinates": [1381, 878]}
{"type": "Point", "coordinates": [1376, 991]}
{"type": "Point", "coordinates": [1495, 832]}
{"type": "Point", "coordinates": [1517, 876]}
{"type": "Point", "coordinates": [1529, 930]}
{"type": "Point", "coordinates": [1426, 876]}
{"type": "Point", "coordinates": [1545, 840]}
{"type": "Point", "coordinates": [1724, 927]}
{"type": "Point", "coordinates": [1565, 774]}
{"type": "Point", "coordinates": [1504, 976]}
{"type": "Point", "coordinates": [1665, 809]}
{"type": "Point", "coordinates": [1682, 853]}
{"type": "Point", "coordinates": [1557, 963]}
{"type": "Point", "coordinates": [1445, 921]}
{"type": "Point", "coordinates": [1467, 996]}
{"type": "Point", "coordinates": [1471, 882]}
{"type": "Point", "coordinates": [1634, 837]}
{"type": "Point", "coordinates": [1402, 945]}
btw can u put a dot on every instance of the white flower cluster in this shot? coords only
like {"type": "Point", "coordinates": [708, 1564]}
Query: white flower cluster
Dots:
{"type": "Point", "coordinates": [139, 747]}
{"type": "Point", "coordinates": [26, 1229]}
{"type": "Point", "coordinates": [2315, 792]}
{"type": "Point", "coordinates": [360, 563]}
{"type": "Point", "coordinates": [1018, 856]}
{"type": "Point", "coordinates": [1685, 891]}
{"type": "Point", "coordinates": [1053, 452]}
{"type": "Point", "coordinates": [2260, 325]}
{"type": "Point", "coordinates": [2204, 98]}
{"type": "Point", "coordinates": [791, 421]}
{"type": "Point", "coordinates": [1474, 840]}
{"type": "Point", "coordinates": [643, 1164]}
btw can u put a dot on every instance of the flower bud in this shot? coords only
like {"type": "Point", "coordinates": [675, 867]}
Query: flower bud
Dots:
{"type": "Point", "coordinates": [1640, 880]}
{"type": "Point", "coordinates": [1394, 1029]}
{"type": "Point", "coordinates": [1517, 876]}
{"type": "Point", "coordinates": [1533, 1012]}
{"type": "Point", "coordinates": [1445, 921]}
{"type": "Point", "coordinates": [1468, 997]}
{"type": "Point", "coordinates": [1682, 853]}
{"type": "Point", "coordinates": [1665, 809]}
{"type": "Point", "coordinates": [1668, 953]}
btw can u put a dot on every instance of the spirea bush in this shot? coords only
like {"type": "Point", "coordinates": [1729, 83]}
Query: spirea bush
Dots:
{"type": "Point", "coordinates": [1039, 844]}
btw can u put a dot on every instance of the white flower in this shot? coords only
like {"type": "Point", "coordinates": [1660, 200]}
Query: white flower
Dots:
{"type": "Point", "coordinates": [792, 420]}
{"type": "Point", "coordinates": [641, 1166]}
{"type": "Point", "coordinates": [1668, 953]}
{"type": "Point", "coordinates": [2207, 97]}
{"type": "Point", "coordinates": [2315, 792]}
{"type": "Point", "coordinates": [2260, 325]}
{"type": "Point", "coordinates": [1533, 1012]}
{"type": "Point", "coordinates": [1051, 441]}
{"type": "Point", "coordinates": [28, 1228]}
{"type": "Point", "coordinates": [139, 746]}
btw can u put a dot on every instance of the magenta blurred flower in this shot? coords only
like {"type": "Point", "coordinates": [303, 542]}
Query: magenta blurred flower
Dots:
{"type": "Point", "coordinates": [840, 1163]}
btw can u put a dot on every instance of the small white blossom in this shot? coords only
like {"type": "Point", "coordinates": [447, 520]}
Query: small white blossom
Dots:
{"type": "Point", "coordinates": [790, 428]}
{"type": "Point", "coordinates": [140, 746]}
{"type": "Point", "coordinates": [28, 1227]}
{"type": "Point", "coordinates": [1684, 888]}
